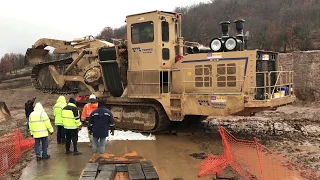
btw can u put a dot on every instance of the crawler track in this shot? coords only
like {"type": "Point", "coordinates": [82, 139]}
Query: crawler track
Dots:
{"type": "Point", "coordinates": [150, 115]}
{"type": "Point", "coordinates": [42, 80]}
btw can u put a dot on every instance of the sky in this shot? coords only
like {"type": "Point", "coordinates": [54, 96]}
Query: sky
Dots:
{"type": "Point", "coordinates": [23, 22]}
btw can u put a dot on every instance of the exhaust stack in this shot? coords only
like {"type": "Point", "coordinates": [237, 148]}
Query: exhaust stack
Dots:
{"type": "Point", "coordinates": [239, 27]}
{"type": "Point", "coordinates": [225, 29]}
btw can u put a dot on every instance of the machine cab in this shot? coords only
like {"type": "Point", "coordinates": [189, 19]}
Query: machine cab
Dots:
{"type": "Point", "coordinates": [152, 38]}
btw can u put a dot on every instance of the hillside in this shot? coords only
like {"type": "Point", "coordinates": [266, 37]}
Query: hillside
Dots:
{"type": "Point", "coordinates": [285, 25]}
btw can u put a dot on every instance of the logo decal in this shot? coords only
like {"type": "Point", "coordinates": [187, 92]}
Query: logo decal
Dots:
{"type": "Point", "coordinates": [136, 49]}
{"type": "Point", "coordinates": [148, 50]}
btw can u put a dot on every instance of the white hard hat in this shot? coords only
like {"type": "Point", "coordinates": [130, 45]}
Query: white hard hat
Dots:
{"type": "Point", "coordinates": [92, 96]}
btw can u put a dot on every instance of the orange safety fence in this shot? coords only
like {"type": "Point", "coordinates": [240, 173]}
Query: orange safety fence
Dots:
{"type": "Point", "coordinates": [13, 145]}
{"type": "Point", "coordinates": [252, 160]}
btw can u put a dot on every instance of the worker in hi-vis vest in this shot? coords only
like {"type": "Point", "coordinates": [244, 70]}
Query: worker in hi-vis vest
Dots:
{"type": "Point", "coordinates": [39, 125]}
{"type": "Point", "coordinates": [57, 109]}
{"type": "Point", "coordinates": [71, 123]}
{"type": "Point", "coordinates": [87, 109]}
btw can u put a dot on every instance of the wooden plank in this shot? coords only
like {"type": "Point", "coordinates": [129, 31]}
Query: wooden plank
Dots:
{"type": "Point", "coordinates": [88, 178]}
{"type": "Point", "coordinates": [122, 176]}
{"type": "Point", "coordinates": [122, 168]}
{"type": "Point", "coordinates": [91, 167]}
{"type": "Point", "coordinates": [89, 174]}
{"type": "Point", "coordinates": [135, 172]}
{"type": "Point", "coordinates": [106, 175]}
{"type": "Point", "coordinates": [106, 167]}
{"type": "Point", "coordinates": [149, 171]}
{"type": "Point", "coordinates": [118, 162]}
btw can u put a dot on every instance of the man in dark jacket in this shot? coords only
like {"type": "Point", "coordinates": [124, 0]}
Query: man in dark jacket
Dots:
{"type": "Point", "coordinates": [101, 119]}
{"type": "Point", "coordinates": [71, 123]}
{"type": "Point", "coordinates": [28, 108]}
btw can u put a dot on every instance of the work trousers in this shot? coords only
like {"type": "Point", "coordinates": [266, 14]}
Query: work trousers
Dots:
{"type": "Point", "coordinates": [27, 126]}
{"type": "Point", "coordinates": [71, 134]}
{"type": "Point", "coordinates": [61, 135]}
{"type": "Point", "coordinates": [90, 136]}
{"type": "Point", "coordinates": [44, 141]}
{"type": "Point", "coordinates": [102, 144]}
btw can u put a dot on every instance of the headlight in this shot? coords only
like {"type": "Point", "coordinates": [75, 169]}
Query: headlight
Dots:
{"type": "Point", "coordinates": [216, 45]}
{"type": "Point", "coordinates": [231, 44]}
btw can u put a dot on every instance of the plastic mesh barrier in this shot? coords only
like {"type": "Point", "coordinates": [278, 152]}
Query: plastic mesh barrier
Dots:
{"type": "Point", "coordinates": [253, 161]}
{"type": "Point", "coordinates": [12, 146]}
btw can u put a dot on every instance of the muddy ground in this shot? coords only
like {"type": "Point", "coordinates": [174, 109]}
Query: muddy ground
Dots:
{"type": "Point", "coordinates": [293, 130]}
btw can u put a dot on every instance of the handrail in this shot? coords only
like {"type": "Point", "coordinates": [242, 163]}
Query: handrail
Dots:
{"type": "Point", "coordinates": [280, 82]}
{"type": "Point", "coordinates": [274, 83]}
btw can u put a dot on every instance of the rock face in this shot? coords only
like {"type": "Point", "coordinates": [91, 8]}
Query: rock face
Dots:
{"type": "Point", "coordinates": [306, 67]}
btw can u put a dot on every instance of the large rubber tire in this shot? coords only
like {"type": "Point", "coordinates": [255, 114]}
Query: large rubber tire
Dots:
{"type": "Point", "coordinates": [110, 71]}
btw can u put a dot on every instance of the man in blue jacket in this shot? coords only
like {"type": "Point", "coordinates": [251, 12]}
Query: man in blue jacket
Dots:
{"type": "Point", "coordinates": [100, 121]}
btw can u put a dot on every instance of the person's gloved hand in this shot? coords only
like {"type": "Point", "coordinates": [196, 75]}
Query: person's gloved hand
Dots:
{"type": "Point", "coordinates": [112, 128]}
{"type": "Point", "coordinates": [112, 131]}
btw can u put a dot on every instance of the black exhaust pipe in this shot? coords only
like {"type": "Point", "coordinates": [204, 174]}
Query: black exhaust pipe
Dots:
{"type": "Point", "coordinates": [201, 50]}
{"type": "Point", "coordinates": [239, 27]}
{"type": "Point", "coordinates": [190, 50]}
{"type": "Point", "coordinates": [225, 28]}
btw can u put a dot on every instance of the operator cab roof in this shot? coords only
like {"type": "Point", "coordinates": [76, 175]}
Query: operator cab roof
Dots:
{"type": "Point", "coordinates": [165, 12]}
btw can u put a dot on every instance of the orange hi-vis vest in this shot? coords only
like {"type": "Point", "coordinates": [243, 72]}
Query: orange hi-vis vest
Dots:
{"type": "Point", "coordinates": [87, 109]}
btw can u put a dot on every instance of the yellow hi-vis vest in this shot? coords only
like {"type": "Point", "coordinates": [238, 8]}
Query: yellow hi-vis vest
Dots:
{"type": "Point", "coordinates": [57, 109]}
{"type": "Point", "coordinates": [71, 116]}
{"type": "Point", "coordinates": [39, 122]}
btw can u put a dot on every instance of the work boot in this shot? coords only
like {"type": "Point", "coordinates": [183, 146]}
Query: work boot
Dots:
{"type": "Point", "coordinates": [46, 157]}
{"type": "Point", "coordinates": [68, 152]}
{"type": "Point", "coordinates": [93, 157]}
{"type": "Point", "coordinates": [39, 158]}
{"type": "Point", "coordinates": [76, 153]}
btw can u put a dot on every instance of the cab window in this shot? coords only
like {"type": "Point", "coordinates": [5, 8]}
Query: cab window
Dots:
{"type": "Point", "coordinates": [142, 32]}
{"type": "Point", "coordinates": [165, 31]}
